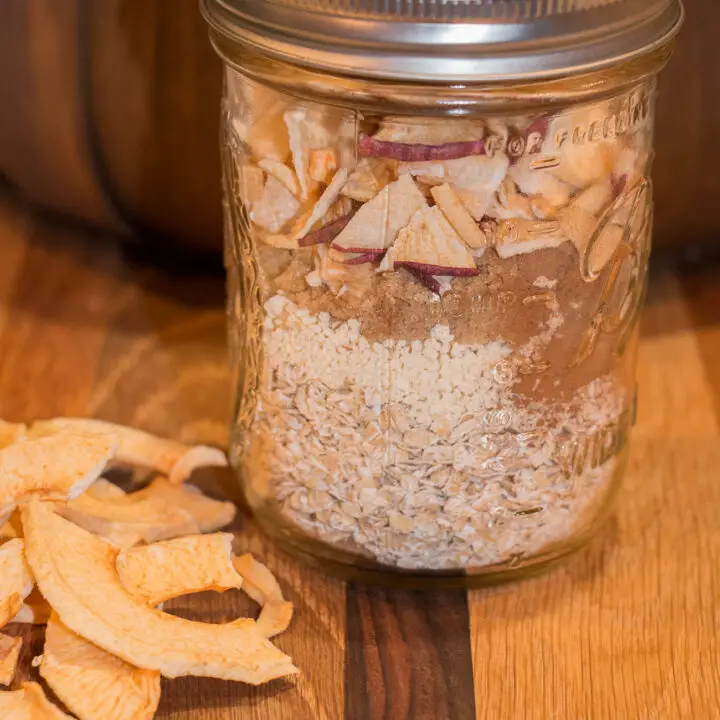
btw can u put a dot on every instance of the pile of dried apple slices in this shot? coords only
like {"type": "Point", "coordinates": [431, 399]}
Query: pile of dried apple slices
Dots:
{"type": "Point", "coordinates": [95, 564]}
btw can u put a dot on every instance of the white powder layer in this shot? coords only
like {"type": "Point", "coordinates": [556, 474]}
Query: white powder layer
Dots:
{"type": "Point", "coordinates": [418, 455]}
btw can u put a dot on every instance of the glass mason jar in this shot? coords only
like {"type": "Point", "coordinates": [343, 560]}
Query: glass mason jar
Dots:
{"type": "Point", "coordinates": [434, 278]}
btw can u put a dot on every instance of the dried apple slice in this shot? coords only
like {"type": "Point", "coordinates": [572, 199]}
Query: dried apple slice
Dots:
{"type": "Point", "coordinates": [323, 205]}
{"type": "Point", "coordinates": [418, 152]}
{"type": "Point", "coordinates": [76, 572]}
{"type": "Point", "coordinates": [315, 128]}
{"type": "Point", "coordinates": [127, 522]}
{"type": "Point", "coordinates": [474, 179]}
{"type": "Point", "coordinates": [275, 207]}
{"type": "Point", "coordinates": [134, 447]}
{"type": "Point", "coordinates": [376, 224]}
{"type": "Point", "coordinates": [55, 468]}
{"type": "Point", "coordinates": [282, 172]}
{"type": "Point", "coordinates": [509, 203]}
{"type": "Point", "coordinates": [516, 237]}
{"type": "Point", "coordinates": [259, 582]}
{"type": "Point", "coordinates": [252, 182]}
{"type": "Point", "coordinates": [367, 179]}
{"type": "Point", "coordinates": [162, 571]}
{"type": "Point", "coordinates": [579, 221]}
{"type": "Point", "coordinates": [295, 121]}
{"type": "Point", "coordinates": [261, 585]}
{"type": "Point", "coordinates": [92, 683]}
{"type": "Point", "coordinates": [538, 182]}
{"type": "Point", "coordinates": [431, 245]}
{"type": "Point", "coordinates": [196, 457]}
{"type": "Point", "coordinates": [103, 489]}
{"type": "Point", "coordinates": [323, 163]}
{"type": "Point", "coordinates": [12, 528]}
{"type": "Point", "coordinates": [584, 164]}
{"type": "Point", "coordinates": [401, 140]}
{"type": "Point", "coordinates": [9, 655]}
{"type": "Point", "coordinates": [11, 432]}
{"type": "Point", "coordinates": [16, 580]}
{"type": "Point", "coordinates": [327, 233]}
{"type": "Point", "coordinates": [210, 514]}
{"type": "Point", "coordinates": [256, 113]}
{"type": "Point", "coordinates": [458, 216]}
{"type": "Point", "coordinates": [35, 610]}
{"type": "Point", "coordinates": [29, 703]}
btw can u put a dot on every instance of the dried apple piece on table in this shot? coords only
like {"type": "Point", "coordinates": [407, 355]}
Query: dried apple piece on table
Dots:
{"type": "Point", "coordinates": [35, 610]}
{"type": "Point", "coordinates": [76, 572]}
{"type": "Point", "coordinates": [134, 447]}
{"type": "Point", "coordinates": [12, 528]}
{"type": "Point", "coordinates": [11, 432]}
{"type": "Point", "coordinates": [198, 456]}
{"type": "Point", "coordinates": [127, 522]}
{"type": "Point", "coordinates": [56, 468]}
{"type": "Point", "coordinates": [92, 683]}
{"type": "Point", "coordinates": [162, 571]}
{"type": "Point", "coordinates": [16, 580]}
{"type": "Point", "coordinates": [10, 648]}
{"type": "Point", "coordinates": [103, 489]}
{"type": "Point", "coordinates": [210, 514]}
{"type": "Point", "coordinates": [29, 703]}
{"type": "Point", "coordinates": [262, 586]}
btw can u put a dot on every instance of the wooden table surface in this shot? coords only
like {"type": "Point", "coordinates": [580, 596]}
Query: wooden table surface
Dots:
{"type": "Point", "coordinates": [628, 628]}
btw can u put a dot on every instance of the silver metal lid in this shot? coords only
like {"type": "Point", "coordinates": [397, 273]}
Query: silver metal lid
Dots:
{"type": "Point", "coordinates": [449, 40]}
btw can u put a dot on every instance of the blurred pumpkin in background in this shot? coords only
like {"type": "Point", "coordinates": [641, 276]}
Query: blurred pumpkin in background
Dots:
{"type": "Point", "coordinates": [110, 114]}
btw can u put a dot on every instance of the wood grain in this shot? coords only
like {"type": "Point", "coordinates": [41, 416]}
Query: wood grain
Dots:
{"type": "Point", "coordinates": [408, 656]}
{"type": "Point", "coordinates": [627, 629]}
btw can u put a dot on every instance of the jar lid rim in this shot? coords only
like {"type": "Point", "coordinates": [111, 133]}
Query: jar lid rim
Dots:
{"type": "Point", "coordinates": [459, 41]}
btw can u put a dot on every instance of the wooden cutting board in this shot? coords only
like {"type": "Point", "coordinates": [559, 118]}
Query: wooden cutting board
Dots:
{"type": "Point", "coordinates": [628, 628]}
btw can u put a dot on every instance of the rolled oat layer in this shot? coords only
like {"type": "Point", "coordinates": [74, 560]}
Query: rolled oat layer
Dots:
{"type": "Point", "coordinates": [420, 454]}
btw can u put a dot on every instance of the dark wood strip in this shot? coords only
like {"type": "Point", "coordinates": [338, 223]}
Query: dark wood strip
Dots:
{"type": "Point", "coordinates": [408, 656]}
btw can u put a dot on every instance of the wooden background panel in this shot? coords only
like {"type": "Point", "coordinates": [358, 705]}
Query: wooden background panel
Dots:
{"type": "Point", "coordinates": [688, 119]}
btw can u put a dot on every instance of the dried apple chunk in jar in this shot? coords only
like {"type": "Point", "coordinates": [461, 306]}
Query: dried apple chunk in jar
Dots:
{"type": "Point", "coordinates": [445, 315]}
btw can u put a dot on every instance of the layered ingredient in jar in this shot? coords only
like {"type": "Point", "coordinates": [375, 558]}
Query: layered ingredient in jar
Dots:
{"type": "Point", "coordinates": [441, 314]}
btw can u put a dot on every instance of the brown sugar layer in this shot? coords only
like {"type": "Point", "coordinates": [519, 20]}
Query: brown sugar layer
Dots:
{"type": "Point", "coordinates": [513, 300]}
